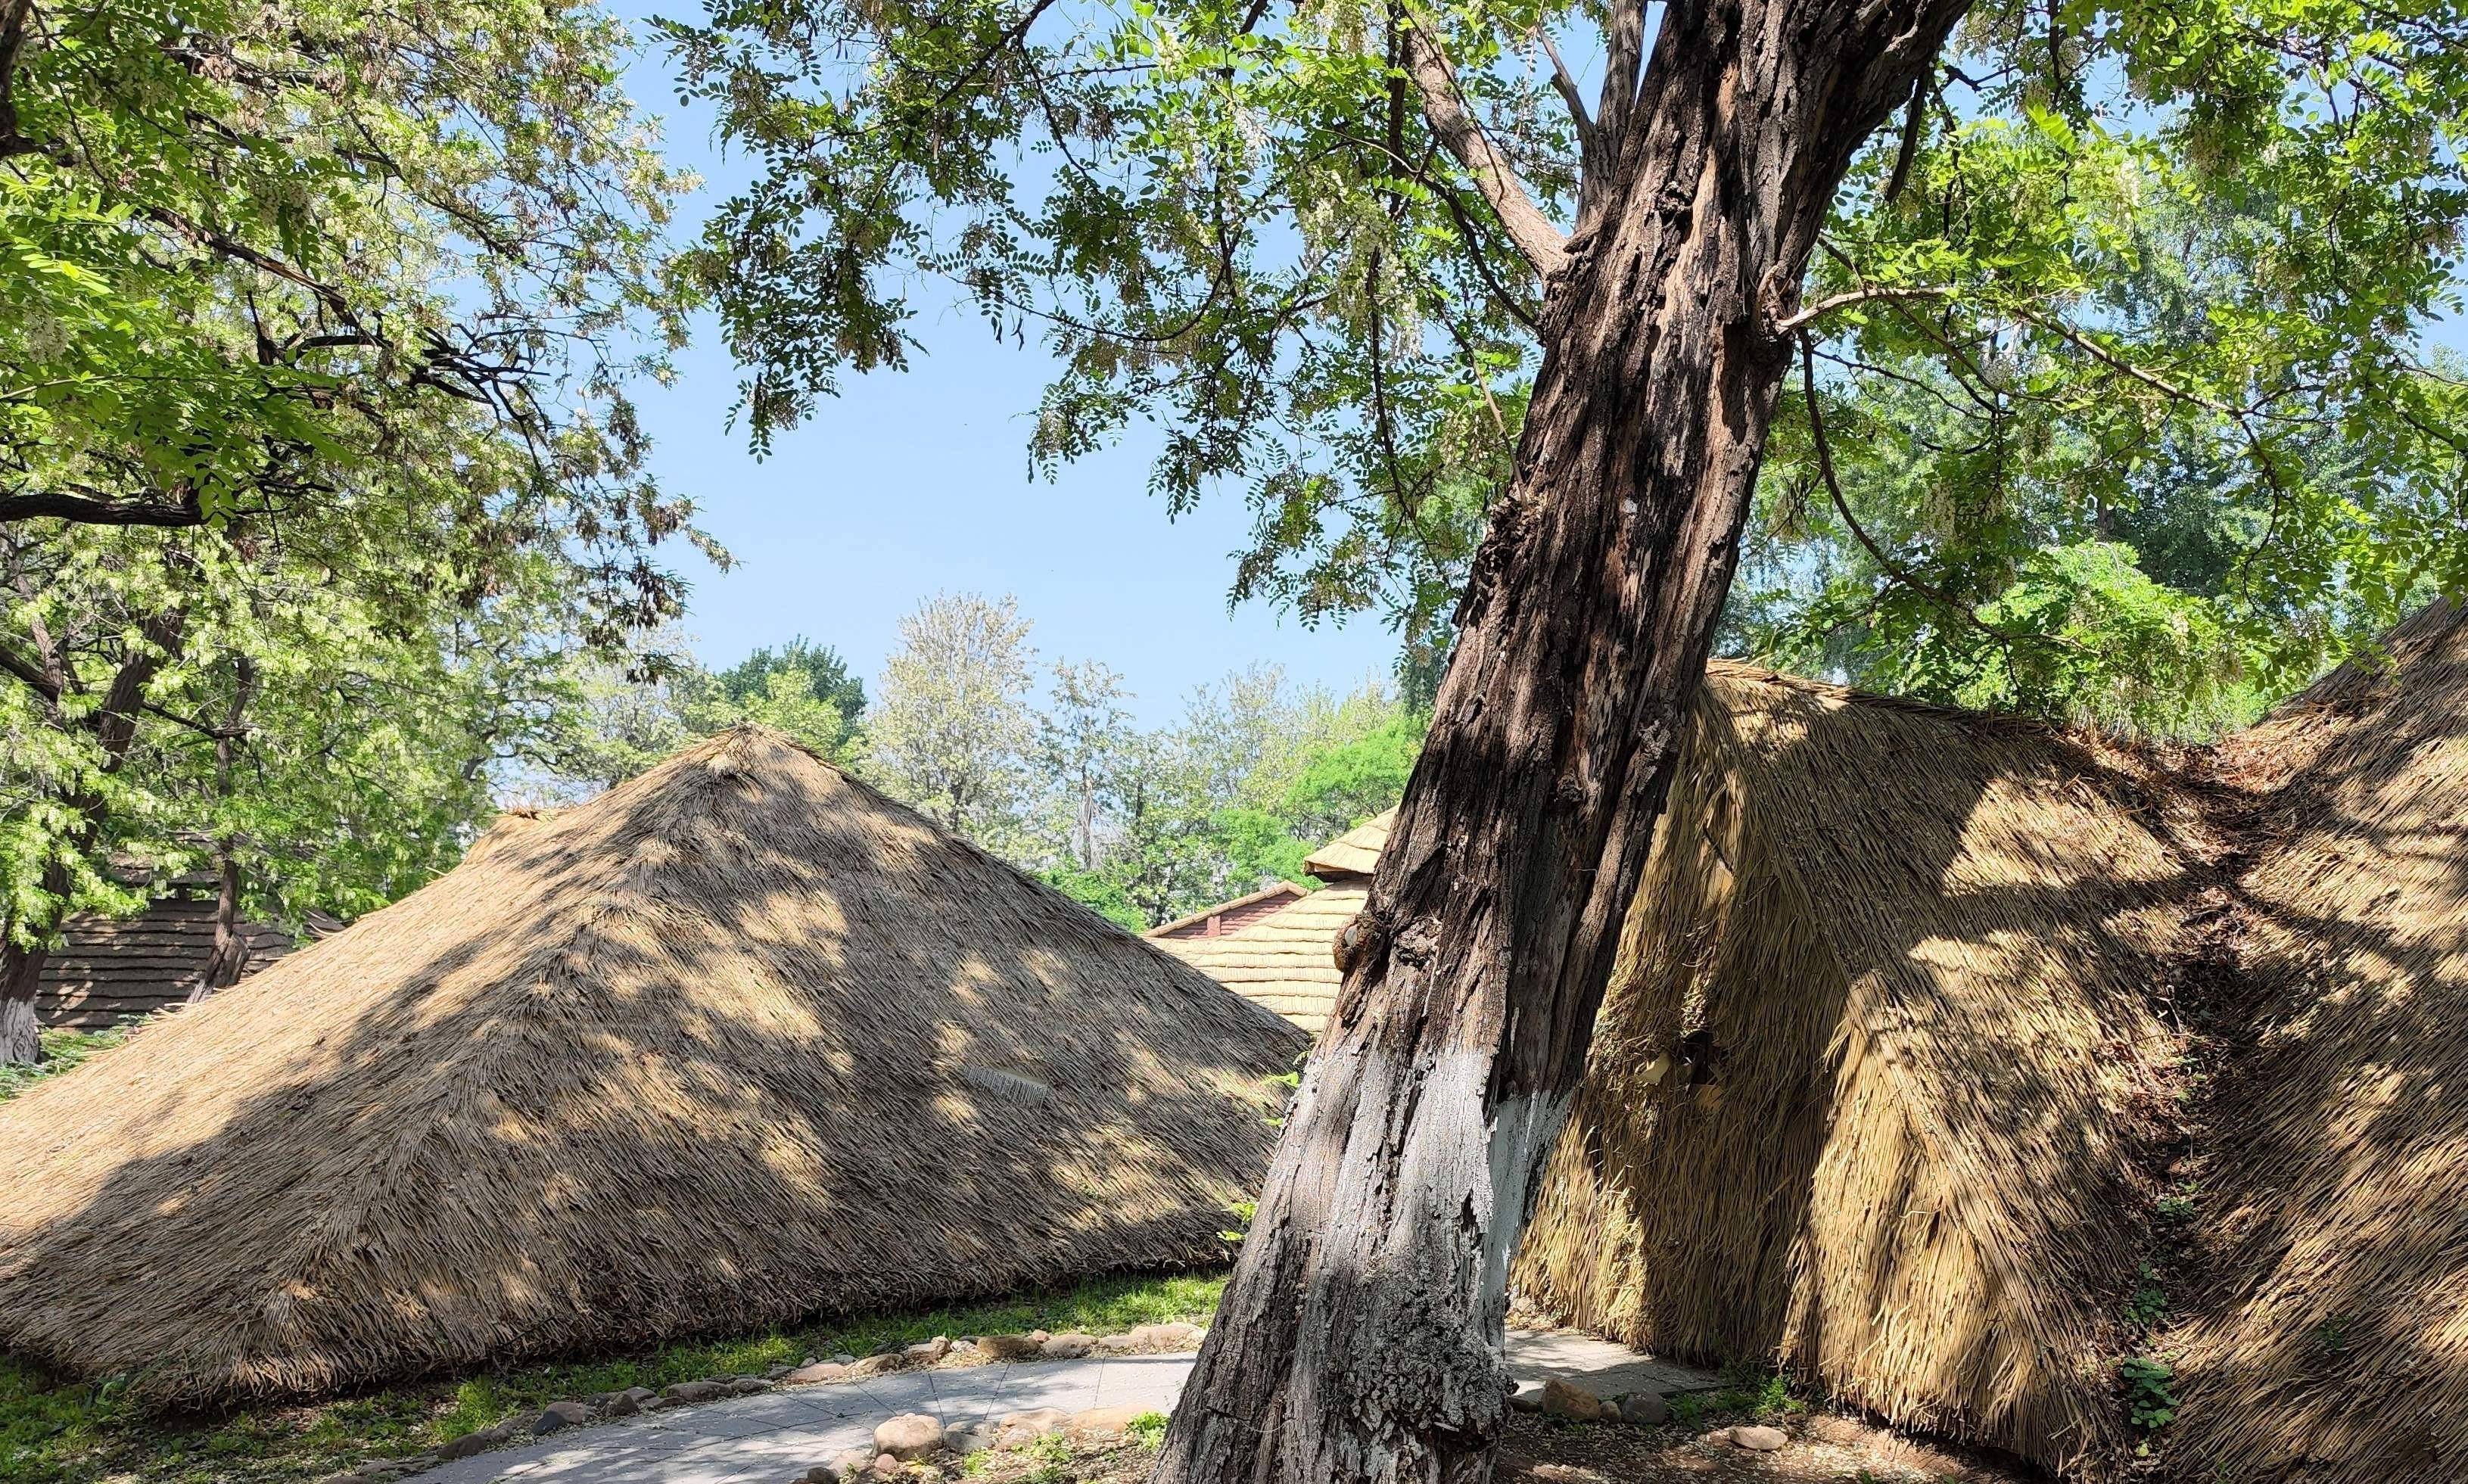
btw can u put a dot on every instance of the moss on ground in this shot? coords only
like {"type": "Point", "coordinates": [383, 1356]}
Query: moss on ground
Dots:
{"type": "Point", "coordinates": [58, 1431]}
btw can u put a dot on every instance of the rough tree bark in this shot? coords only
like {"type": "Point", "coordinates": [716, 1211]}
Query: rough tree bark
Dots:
{"type": "Point", "coordinates": [1359, 1338]}
{"type": "Point", "coordinates": [230, 953]}
{"type": "Point", "coordinates": [21, 975]}
{"type": "Point", "coordinates": [24, 944]}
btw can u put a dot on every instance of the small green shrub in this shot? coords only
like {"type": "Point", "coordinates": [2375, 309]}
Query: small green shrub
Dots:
{"type": "Point", "coordinates": [2149, 1304]}
{"type": "Point", "coordinates": [2331, 1335]}
{"type": "Point", "coordinates": [1050, 1460]}
{"type": "Point", "coordinates": [2150, 1395]}
{"type": "Point", "coordinates": [1147, 1430]}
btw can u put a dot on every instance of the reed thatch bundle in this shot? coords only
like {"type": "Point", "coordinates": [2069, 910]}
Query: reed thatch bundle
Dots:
{"type": "Point", "coordinates": [740, 1040]}
{"type": "Point", "coordinates": [2336, 1350]}
{"type": "Point", "coordinates": [1872, 1086]}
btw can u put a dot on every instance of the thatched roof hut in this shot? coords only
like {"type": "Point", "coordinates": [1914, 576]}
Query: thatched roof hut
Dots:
{"type": "Point", "coordinates": [1282, 958]}
{"type": "Point", "coordinates": [2336, 1350]}
{"type": "Point", "coordinates": [739, 1041]}
{"type": "Point", "coordinates": [1871, 1090]}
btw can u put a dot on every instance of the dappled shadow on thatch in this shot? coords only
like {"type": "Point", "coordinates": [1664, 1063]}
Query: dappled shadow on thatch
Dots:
{"type": "Point", "coordinates": [2333, 1349]}
{"type": "Point", "coordinates": [741, 1042]}
{"type": "Point", "coordinates": [1878, 1081]}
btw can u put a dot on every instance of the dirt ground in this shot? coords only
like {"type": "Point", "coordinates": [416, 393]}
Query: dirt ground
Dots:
{"type": "Point", "coordinates": [1823, 1450]}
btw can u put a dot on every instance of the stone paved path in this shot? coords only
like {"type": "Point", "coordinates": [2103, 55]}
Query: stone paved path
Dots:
{"type": "Point", "coordinates": [772, 1437]}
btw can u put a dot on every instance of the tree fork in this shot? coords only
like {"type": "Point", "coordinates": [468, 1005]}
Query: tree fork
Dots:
{"type": "Point", "coordinates": [1359, 1338]}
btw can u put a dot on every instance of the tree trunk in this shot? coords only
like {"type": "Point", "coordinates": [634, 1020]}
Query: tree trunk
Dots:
{"type": "Point", "coordinates": [230, 953]}
{"type": "Point", "coordinates": [21, 972]}
{"type": "Point", "coordinates": [1359, 1338]}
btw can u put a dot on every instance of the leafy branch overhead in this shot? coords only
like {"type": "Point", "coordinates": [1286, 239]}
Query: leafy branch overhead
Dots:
{"type": "Point", "coordinates": [2109, 260]}
{"type": "Point", "coordinates": [317, 457]}
{"type": "Point", "coordinates": [253, 251]}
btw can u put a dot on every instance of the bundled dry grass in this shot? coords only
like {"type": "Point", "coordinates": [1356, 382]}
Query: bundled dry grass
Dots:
{"type": "Point", "coordinates": [1873, 1089]}
{"type": "Point", "coordinates": [2336, 1350]}
{"type": "Point", "coordinates": [738, 1042]}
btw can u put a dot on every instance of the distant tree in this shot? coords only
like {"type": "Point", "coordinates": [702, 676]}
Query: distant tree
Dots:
{"type": "Point", "coordinates": [1231, 797]}
{"type": "Point", "coordinates": [951, 731]}
{"type": "Point", "coordinates": [827, 679]}
{"type": "Point", "coordinates": [1343, 782]}
{"type": "Point", "coordinates": [627, 716]}
{"type": "Point", "coordinates": [1087, 749]}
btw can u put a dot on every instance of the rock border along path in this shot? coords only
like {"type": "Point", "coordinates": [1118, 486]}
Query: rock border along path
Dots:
{"type": "Point", "coordinates": [773, 1436]}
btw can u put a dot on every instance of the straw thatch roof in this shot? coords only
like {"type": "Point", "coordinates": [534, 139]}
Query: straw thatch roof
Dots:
{"type": "Point", "coordinates": [739, 1041]}
{"type": "Point", "coordinates": [1871, 1090]}
{"type": "Point", "coordinates": [2336, 1350]}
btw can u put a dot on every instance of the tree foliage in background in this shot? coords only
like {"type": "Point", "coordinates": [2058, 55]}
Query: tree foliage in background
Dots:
{"type": "Point", "coordinates": [1143, 826]}
{"type": "Point", "coordinates": [2153, 282]}
{"type": "Point", "coordinates": [2142, 430]}
{"type": "Point", "coordinates": [952, 731]}
{"type": "Point", "coordinates": [623, 717]}
{"type": "Point", "coordinates": [315, 450]}
{"type": "Point", "coordinates": [1233, 796]}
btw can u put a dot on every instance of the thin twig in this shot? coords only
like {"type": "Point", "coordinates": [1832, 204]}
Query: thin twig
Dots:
{"type": "Point", "coordinates": [1892, 568]}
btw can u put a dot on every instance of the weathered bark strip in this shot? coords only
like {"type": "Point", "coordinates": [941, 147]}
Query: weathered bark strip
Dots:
{"type": "Point", "coordinates": [21, 975]}
{"type": "Point", "coordinates": [1359, 1338]}
{"type": "Point", "coordinates": [25, 945]}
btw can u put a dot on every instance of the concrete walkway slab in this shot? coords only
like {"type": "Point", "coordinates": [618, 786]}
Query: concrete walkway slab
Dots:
{"type": "Point", "coordinates": [771, 1437]}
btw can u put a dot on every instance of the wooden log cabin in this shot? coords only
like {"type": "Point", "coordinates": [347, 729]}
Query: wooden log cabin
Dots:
{"type": "Point", "coordinates": [106, 969]}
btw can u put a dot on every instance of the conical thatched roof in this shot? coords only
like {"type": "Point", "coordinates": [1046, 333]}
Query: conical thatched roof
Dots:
{"type": "Point", "coordinates": [739, 1041]}
{"type": "Point", "coordinates": [2337, 1349]}
{"type": "Point", "coordinates": [1873, 1086]}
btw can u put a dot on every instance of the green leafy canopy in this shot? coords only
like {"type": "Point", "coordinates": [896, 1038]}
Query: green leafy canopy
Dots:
{"type": "Point", "coordinates": [2120, 337]}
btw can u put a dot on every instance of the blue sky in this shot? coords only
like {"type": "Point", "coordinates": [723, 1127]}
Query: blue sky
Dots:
{"type": "Point", "coordinates": [915, 483]}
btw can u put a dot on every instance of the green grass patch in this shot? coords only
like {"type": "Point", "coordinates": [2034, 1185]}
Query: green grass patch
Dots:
{"type": "Point", "coordinates": [62, 1050]}
{"type": "Point", "coordinates": [54, 1431]}
{"type": "Point", "coordinates": [1752, 1391]}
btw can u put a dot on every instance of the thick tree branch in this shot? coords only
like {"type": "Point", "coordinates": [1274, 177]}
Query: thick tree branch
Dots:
{"type": "Point", "coordinates": [1915, 126]}
{"type": "Point", "coordinates": [24, 670]}
{"type": "Point", "coordinates": [1534, 234]}
{"type": "Point", "coordinates": [1623, 62]}
{"type": "Point", "coordinates": [1794, 324]}
{"type": "Point", "coordinates": [52, 505]}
